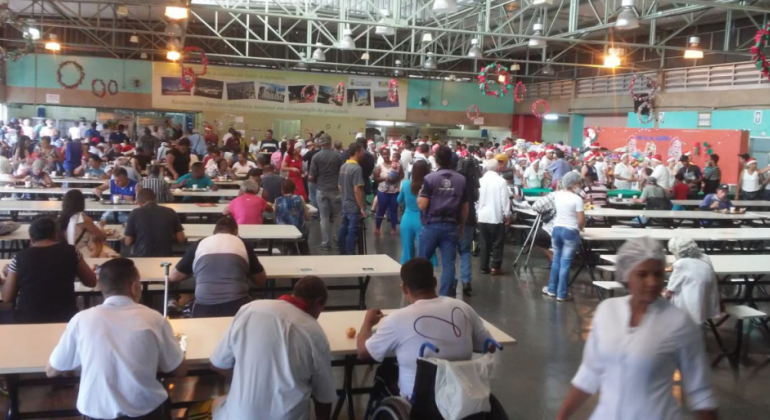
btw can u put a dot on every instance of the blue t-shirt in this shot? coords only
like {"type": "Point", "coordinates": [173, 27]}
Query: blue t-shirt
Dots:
{"type": "Point", "coordinates": [187, 181]}
{"type": "Point", "coordinates": [95, 172]}
{"type": "Point", "coordinates": [446, 190]}
{"type": "Point", "coordinates": [129, 191]}
{"type": "Point", "coordinates": [559, 168]}
{"type": "Point", "coordinates": [710, 199]}
{"type": "Point", "coordinates": [118, 137]}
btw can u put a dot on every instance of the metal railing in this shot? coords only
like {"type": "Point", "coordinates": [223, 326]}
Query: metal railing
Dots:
{"type": "Point", "coordinates": [561, 89]}
{"type": "Point", "coordinates": [720, 77]}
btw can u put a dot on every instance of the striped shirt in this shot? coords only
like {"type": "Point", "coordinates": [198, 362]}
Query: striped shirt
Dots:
{"type": "Point", "coordinates": [160, 188]}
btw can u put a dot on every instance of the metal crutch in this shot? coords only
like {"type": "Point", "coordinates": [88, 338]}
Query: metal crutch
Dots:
{"type": "Point", "coordinates": [530, 239]}
{"type": "Point", "coordinates": [535, 228]}
{"type": "Point", "coordinates": [165, 265]}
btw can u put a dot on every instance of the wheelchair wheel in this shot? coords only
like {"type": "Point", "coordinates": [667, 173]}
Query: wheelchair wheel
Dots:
{"type": "Point", "coordinates": [392, 408]}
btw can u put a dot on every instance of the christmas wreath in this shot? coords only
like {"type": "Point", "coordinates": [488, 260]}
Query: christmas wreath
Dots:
{"type": "Point", "coordinates": [100, 93]}
{"type": "Point", "coordinates": [648, 82]}
{"type": "Point", "coordinates": [757, 50]}
{"type": "Point", "coordinates": [641, 116]}
{"type": "Point", "coordinates": [472, 112]}
{"type": "Point", "coordinates": [393, 91]}
{"type": "Point", "coordinates": [308, 93]}
{"type": "Point", "coordinates": [78, 67]}
{"type": "Point", "coordinates": [110, 89]}
{"type": "Point", "coordinates": [339, 92]}
{"type": "Point", "coordinates": [499, 70]}
{"type": "Point", "coordinates": [537, 103]}
{"type": "Point", "coordinates": [189, 72]}
{"type": "Point", "coordinates": [516, 96]}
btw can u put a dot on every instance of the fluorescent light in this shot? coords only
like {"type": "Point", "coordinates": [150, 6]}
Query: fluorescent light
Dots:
{"type": "Point", "coordinates": [551, 117]}
{"type": "Point", "coordinates": [347, 42]}
{"type": "Point", "coordinates": [627, 18]}
{"type": "Point", "coordinates": [693, 51]}
{"type": "Point", "coordinates": [173, 55]}
{"type": "Point", "coordinates": [144, 55]}
{"type": "Point", "coordinates": [52, 45]}
{"type": "Point", "coordinates": [384, 30]}
{"type": "Point", "coordinates": [515, 67]}
{"type": "Point", "coordinates": [445, 6]}
{"type": "Point", "coordinates": [176, 12]}
{"type": "Point", "coordinates": [475, 52]}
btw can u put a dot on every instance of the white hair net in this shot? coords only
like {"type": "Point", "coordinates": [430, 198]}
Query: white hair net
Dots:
{"type": "Point", "coordinates": [491, 165]}
{"type": "Point", "coordinates": [570, 179]}
{"type": "Point", "coordinates": [635, 252]}
{"type": "Point", "coordinates": [684, 248]}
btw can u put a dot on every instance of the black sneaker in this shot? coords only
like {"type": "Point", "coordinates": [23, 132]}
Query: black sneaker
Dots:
{"type": "Point", "coordinates": [453, 290]}
{"type": "Point", "coordinates": [485, 271]}
{"type": "Point", "coordinates": [467, 289]}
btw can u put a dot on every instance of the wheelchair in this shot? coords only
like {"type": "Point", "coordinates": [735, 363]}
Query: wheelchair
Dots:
{"type": "Point", "coordinates": [423, 402]}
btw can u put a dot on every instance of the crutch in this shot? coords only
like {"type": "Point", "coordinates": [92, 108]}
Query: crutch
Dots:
{"type": "Point", "coordinates": [165, 265]}
{"type": "Point", "coordinates": [530, 240]}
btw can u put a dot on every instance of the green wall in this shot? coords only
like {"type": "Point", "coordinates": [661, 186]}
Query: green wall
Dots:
{"type": "Point", "coordinates": [554, 131]}
{"type": "Point", "coordinates": [459, 95]}
{"type": "Point", "coordinates": [22, 72]}
{"type": "Point", "coordinates": [725, 119]}
{"type": "Point", "coordinates": [577, 122]}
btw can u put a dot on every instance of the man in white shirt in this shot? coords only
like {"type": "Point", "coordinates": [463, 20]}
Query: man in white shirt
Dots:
{"type": "Point", "coordinates": [624, 173]}
{"type": "Point", "coordinates": [74, 133]}
{"type": "Point", "coordinates": [279, 357]}
{"type": "Point", "coordinates": [120, 347]}
{"type": "Point", "coordinates": [243, 166]}
{"type": "Point", "coordinates": [601, 169]}
{"type": "Point", "coordinates": [494, 207]}
{"type": "Point", "coordinates": [449, 324]}
{"type": "Point", "coordinates": [545, 162]}
{"type": "Point", "coordinates": [406, 158]}
{"type": "Point", "coordinates": [660, 171]}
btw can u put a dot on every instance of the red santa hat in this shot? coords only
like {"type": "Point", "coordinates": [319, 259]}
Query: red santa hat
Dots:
{"type": "Point", "coordinates": [521, 157]}
{"type": "Point", "coordinates": [549, 148]}
{"type": "Point", "coordinates": [207, 128]}
{"type": "Point", "coordinates": [657, 158]}
{"type": "Point", "coordinates": [507, 147]}
{"type": "Point", "coordinates": [671, 159]}
{"type": "Point", "coordinates": [751, 161]}
{"type": "Point", "coordinates": [589, 158]}
{"type": "Point", "coordinates": [369, 141]}
{"type": "Point", "coordinates": [687, 153]}
{"type": "Point", "coordinates": [594, 145]}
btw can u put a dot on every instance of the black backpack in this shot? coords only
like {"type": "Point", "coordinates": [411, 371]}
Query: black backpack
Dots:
{"type": "Point", "coordinates": [659, 203]}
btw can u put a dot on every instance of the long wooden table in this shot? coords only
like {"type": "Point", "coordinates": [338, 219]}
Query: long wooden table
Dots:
{"type": "Point", "coordinates": [697, 234]}
{"type": "Point", "coordinates": [31, 354]}
{"type": "Point", "coordinates": [231, 193]}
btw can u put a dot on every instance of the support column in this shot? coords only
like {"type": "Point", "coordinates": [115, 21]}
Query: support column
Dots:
{"type": "Point", "coordinates": [576, 123]}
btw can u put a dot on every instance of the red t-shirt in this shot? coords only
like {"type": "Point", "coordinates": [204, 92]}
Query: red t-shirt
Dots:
{"type": "Point", "coordinates": [247, 209]}
{"type": "Point", "coordinates": [680, 191]}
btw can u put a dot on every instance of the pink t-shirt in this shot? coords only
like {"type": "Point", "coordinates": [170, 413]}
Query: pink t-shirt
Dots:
{"type": "Point", "coordinates": [247, 209]}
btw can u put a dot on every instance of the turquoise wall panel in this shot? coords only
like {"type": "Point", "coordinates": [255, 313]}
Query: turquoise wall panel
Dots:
{"type": "Point", "coordinates": [679, 119]}
{"type": "Point", "coordinates": [22, 73]}
{"type": "Point", "coordinates": [633, 122]}
{"type": "Point", "coordinates": [459, 95]}
{"type": "Point", "coordinates": [576, 130]}
{"type": "Point", "coordinates": [742, 119]}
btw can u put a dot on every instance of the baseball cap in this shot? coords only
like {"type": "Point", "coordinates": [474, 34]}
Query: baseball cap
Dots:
{"type": "Point", "coordinates": [684, 159]}
{"type": "Point", "coordinates": [745, 156]}
{"type": "Point", "coordinates": [502, 157]}
{"type": "Point", "coordinates": [723, 187]}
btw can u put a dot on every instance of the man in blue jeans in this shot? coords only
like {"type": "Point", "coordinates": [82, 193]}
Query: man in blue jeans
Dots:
{"type": "Point", "coordinates": [443, 204]}
{"type": "Point", "coordinates": [351, 183]}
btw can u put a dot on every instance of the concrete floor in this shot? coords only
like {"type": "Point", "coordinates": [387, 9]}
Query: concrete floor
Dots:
{"type": "Point", "coordinates": [533, 376]}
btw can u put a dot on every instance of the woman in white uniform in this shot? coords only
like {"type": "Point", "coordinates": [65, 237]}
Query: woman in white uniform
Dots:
{"type": "Point", "coordinates": [749, 184]}
{"type": "Point", "coordinates": [636, 344]}
{"type": "Point", "coordinates": [692, 286]}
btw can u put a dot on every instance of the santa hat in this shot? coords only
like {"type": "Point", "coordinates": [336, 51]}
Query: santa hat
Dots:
{"type": "Point", "coordinates": [751, 161]}
{"type": "Point", "coordinates": [589, 158]}
{"type": "Point", "coordinates": [521, 157]}
{"type": "Point", "coordinates": [533, 159]}
{"type": "Point", "coordinates": [399, 143]}
{"type": "Point", "coordinates": [369, 141]}
{"type": "Point", "coordinates": [549, 148]}
{"type": "Point", "coordinates": [687, 153]}
{"type": "Point", "coordinates": [594, 145]}
{"type": "Point", "coordinates": [207, 128]}
{"type": "Point", "coordinates": [421, 142]}
{"type": "Point", "coordinates": [657, 158]}
{"type": "Point", "coordinates": [360, 136]}
{"type": "Point", "coordinates": [507, 146]}
{"type": "Point", "coordinates": [623, 156]}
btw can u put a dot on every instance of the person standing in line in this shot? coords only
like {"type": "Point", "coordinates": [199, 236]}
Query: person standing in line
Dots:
{"type": "Point", "coordinates": [410, 221]}
{"type": "Point", "coordinates": [533, 176]}
{"type": "Point", "coordinates": [637, 343]}
{"type": "Point", "coordinates": [468, 168]}
{"type": "Point", "coordinates": [292, 167]}
{"type": "Point", "coordinates": [178, 159]}
{"type": "Point", "coordinates": [749, 183]}
{"type": "Point", "coordinates": [351, 185]}
{"type": "Point", "coordinates": [565, 238]}
{"type": "Point", "coordinates": [660, 171]}
{"type": "Point", "coordinates": [493, 212]}
{"type": "Point", "coordinates": [324, 174]}
{"type": "Point", "coordinates": [588, 167]}
{"type": "Point", "coordinates": [558, 168]}
{"type": "Point", "coordinates": [443, 211]}
{"type": "Point", "coordinates": [692, 175]}
{"type": "Point", "coordinates": [119, 347]}
{"type": "Point", "coordinates": [388, 175]}
{"type": "Point", "coordinates": [197, 143]}
{"type": "Point", "coordinates": [307, 160]}
{"type": "Point", "coordinates": [545, 162]}
{"type": "Point", "coordinates": [601, 168]}
{"type": "Point", "coordinates": [713, 176]}
{"type": "Point", "coordinates": [623, 173]}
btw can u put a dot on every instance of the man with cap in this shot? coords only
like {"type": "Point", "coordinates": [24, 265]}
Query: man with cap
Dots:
{"type": "Point", "coordinates": [692, 175]}
{"type": "Point", "coordinates": [624, 173]}
{"type": "Point", "coordinates": [660, 172]}
{"type": "Point", "coordinates": [718, 200]}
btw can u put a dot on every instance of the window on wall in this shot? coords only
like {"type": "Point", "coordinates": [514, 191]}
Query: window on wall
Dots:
{"type": "Point", "coordinates": [704, 119]}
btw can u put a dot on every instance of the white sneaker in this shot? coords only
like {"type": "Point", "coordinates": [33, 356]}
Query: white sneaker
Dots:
{"type": "Point", "coordinates": [173, 305]}
{"type": "Point", "coordinates": [547, 293]}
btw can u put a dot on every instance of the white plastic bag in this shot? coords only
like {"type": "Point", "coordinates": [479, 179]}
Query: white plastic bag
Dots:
{"type": "Point", "coordinates": [462, 387]}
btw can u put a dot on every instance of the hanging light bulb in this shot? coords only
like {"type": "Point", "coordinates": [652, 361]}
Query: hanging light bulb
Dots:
{"type": "Point", "coordinates": [302, 65]}
{"type": "Point", "coordinates": [143, 56]}
{"type": "Point", "coordinates": [173, 29]}
{"type": "Point", "coordinates": [427, 37]}
{"type": "Point", "coordinates": [501, 79]}
{"type": "Point", "coordinates": [173, 55]}
{"type": "Point", "coordinates": [515, 67]}
{"type": "Point", "coordinates": [176, 10]}
{"type": "Point", "coordinates": [52, 44]}
{"type": "Point", "coordinates": [32, 32]}
{"type": "Point", "coordinates": [627, 18]}
{"type": "Point", "coordinates": [548, 69]}
{"type": "Point", "coordinates": [444, 6]}
{"type": "Point", "coordinates": [612, 59]}
{"type": "Point", "coordinates": [475, 52]}
{"type": "Point", "coordinates": [134, 39]}
{"type": "Point", "coordinates": [429, 64]}
{"type": "Point", "coordinates": [347, 42]}
{"type": "Point", "coordinates": [384, 30]}
{"type": "Point", "coordinates": [693, 51]}
{"type": "Point", "coordinates": [365, 56]}
{"type": "Point", "coordinates": [319, 54]}
{"type": "Point", "coordinates": [537, 42]}
{"type": "Point", "coordinates": [174, 44]}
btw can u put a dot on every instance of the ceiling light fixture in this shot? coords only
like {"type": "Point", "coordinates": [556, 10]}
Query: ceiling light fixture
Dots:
{"type": "Point", "coordinates": [384, 30]}
{"type": "Point", "coordinates": [693, 51]}
{"type": "Point", "coordinates": [347, 42]}
{"type": "Point", "coordinates": [365, 56]}
{"type": "Point", "coordinates": [173, 55]}
{"type": "Point", "coordinates": [176, 10]}
{"type": "Point", "coordinates": [427, 37]}
{"type": "Point", "coordinates": [52, 44]}
{"type": "Point", "coordinates": [612, 59]}
{"type": "Point", "coordinates": [444, 6]}
{"type": "Point", "coordinates": [515, 67]}
{"type": "Point", "coordinates": [548, 69]}
{"type": "Point", "coordinates": [551, 117]}
{"type": "Point", "coordinates": [134, 39]}
{"type": "Point", "coordinates": [475, 52]}
{"type": "Point", "coordinates": [429, 64]}
{"type": "Point", "coordinates": [174, 44]}
{"type": "Point", "coordinates": [397, 72]}
{"type": "Point", "coordinates": [319, 54]}
{"type": "Point", "coordinates": [627, 18]}
{"type": "Point", "coordinates": [143, 56]}
{"type": "Point", "coordinates": [537, 42]}
{"type": "Point", "coordinates": [173, 29]}
{"type": "Point", "coordinates": [32, 32]}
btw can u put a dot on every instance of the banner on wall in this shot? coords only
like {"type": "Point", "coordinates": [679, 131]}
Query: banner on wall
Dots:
{"type": "Point", "coordinates": [226, 89]}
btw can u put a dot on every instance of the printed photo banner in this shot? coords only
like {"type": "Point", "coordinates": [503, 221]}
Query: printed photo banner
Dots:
{"type": "Point", "coordinates": [227, 89]}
